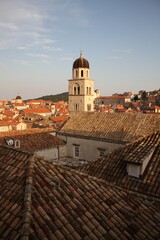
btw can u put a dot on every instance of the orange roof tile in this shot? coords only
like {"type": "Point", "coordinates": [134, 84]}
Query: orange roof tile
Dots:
{"type": "Point", "coordinates": [42, 201]}
{"type": "Point", "coordinates": [37, 110]}
{"type": "Point", "coordinates": [111, 97]}
{"type": "Point", "coordinates": [35, 101]}
{"type": "Point", "coordinates": [112, 167]}
{"type": "Point", "coordinates": [59, 118]}
{"type": "Point", "coordinates": [120, 127]}
{"type": "Point", "coordinates": [19, 104]}
{"type": "Point", "coordinates": [8, 113]}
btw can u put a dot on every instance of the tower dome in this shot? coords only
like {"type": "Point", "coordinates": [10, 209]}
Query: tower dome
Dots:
{"type": "Point", "coordinates": [18, 97]}
{"type": "Point", "coordinates": [81, 62]}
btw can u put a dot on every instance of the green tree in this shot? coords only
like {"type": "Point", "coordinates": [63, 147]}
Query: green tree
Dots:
{"type": "Point", "coordinates": [135, 98]}
{"type": "Point", "coordinates": [144, 95]}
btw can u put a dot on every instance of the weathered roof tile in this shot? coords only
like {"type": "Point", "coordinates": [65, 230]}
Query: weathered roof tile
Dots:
{"type": "Point", "coordinates": [117, 127]}
{"type": "Point", "coordinates": [80, 207]}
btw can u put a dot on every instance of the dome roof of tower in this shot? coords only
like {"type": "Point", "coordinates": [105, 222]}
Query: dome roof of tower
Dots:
{"type": "Point", "coordinates": [81, 62]}
{"type": "Point", "coordinates": [18, 97]}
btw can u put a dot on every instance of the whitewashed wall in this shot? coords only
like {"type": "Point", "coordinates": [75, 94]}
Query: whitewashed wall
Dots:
{"type": "Point", "coordinates": [88, 148]}
{"type": "Point", "coordinates": [5, 128]}
{"type": "Point", "coordinates": [52, 153]}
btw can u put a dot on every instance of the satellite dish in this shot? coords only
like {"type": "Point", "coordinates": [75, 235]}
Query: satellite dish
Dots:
{"type": "Point", "coordinates": [10, 142]}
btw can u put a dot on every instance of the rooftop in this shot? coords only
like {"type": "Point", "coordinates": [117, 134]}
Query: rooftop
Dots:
{"type": "Point", "coordinates": [112, 168]}
{"type": "Point", "coordinates": [41, 201]}
{"type": "Point", "coordinates": [120, 127]}
{"type": "Point", "coordinates": [34, 141]}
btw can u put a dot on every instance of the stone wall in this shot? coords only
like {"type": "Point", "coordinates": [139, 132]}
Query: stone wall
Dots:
{"type": "Point", "coordinates": [89, 149]}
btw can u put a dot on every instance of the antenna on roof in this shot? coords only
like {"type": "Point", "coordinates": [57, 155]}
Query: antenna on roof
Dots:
{"type": "Point", "coordinates": [81, 54]}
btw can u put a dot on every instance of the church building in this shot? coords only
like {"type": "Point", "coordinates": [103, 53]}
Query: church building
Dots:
{"type": "Point", "coordinates": [81, 87]}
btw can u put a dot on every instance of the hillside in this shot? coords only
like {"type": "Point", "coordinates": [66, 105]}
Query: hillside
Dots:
{"type": "Point", "coordinates": [56, 98]}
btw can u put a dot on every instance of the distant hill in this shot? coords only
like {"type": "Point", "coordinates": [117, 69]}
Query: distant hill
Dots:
{"type": "Point", "coordinates": [56, 98]}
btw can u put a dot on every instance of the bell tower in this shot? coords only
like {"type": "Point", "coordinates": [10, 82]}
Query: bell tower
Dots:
{"type": "Point", "coordinates": [81, 87]}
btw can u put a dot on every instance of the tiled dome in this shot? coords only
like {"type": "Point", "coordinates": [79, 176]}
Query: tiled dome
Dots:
{"type": "Point", "coordinates": [81, 62]}
{"type": "Point", "coordinates": [18, 97]}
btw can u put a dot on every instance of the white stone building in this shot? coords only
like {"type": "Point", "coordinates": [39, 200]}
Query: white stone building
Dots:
{"type": "Point", "coordinates": [90, 135]}
{"type": "Point", "coordinates": [81, 87]}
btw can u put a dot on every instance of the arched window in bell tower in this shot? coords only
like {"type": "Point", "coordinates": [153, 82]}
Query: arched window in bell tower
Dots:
{"type": "Point", "coordinates": [87, 73]}
{"type": "Point", "coordinates": [76, 73]}
{"type": "Point", "coordinates": [81, 73]}
{"type": "Point", "coordinates": [76, 89]}
{"type": "Point", "coordinates": [87, 90]}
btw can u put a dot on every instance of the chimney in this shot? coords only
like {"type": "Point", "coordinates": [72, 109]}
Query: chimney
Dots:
{"type": "Point", "coordinates": [139, 154]}
{"type": "Point", "coordinates": [17, 143]}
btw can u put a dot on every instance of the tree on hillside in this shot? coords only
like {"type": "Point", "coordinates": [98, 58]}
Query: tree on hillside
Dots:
{"type": "Point", "coordinates": [135, 98]}
{"type": "Point", "coordinates": [144, 95]}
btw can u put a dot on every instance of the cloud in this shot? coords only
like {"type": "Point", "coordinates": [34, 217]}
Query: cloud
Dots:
{"type": "Point", "coordinates": [66, 3]}
{"type": "Point", "coordinates": [26, 23]}
{"type": "Point", "coordinates": [22, 48]}
{"type": "Point", "coordinates": [79, 16]}
{"type": "Point", "coordinates": [2, 66]}
{"type": "Point", "coordinates": [45, 61]}
{"type": "Point", "coordinates": [57, 49]}
{"type": "Point", "coordinates": [120, 54]}
{"type": "Point", "coordinates": [122, 51]}
{"type": "Point", "coordinates": [115, 58]}
{"type": "Point", "coordinates": [8, 25]}
{"type": "Point", "coordinates": [4, 43]}
{"type": "Point", "coordinates": [38, 55]}
{"type": "Point", "coordinates": [25, 63]}
{"type": "Point", "coordinates": [66, 59]}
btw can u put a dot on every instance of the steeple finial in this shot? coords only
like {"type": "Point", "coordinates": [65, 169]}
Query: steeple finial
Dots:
{"type": "Point", "coordinates": [81, 54]}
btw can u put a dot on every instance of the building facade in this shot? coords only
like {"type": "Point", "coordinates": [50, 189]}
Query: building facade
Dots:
{"type": "Point", "coordinates": [81, 87]}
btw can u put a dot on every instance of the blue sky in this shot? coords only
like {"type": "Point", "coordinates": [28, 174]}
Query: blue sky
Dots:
{"type": "Point", "coordinates": [40, 39]}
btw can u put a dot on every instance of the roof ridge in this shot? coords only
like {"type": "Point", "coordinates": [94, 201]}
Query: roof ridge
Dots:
{"type": "Point", "coordinates": [26, 219]}
{"type": "Point", "coordinates": [110, 184]}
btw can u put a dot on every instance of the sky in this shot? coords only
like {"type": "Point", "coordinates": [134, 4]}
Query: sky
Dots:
{"type": "Point", "coordinates": [40, 40]}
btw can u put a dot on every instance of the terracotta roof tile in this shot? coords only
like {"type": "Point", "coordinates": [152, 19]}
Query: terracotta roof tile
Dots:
{"type": "Point", "coordinates": [37, 110]}
{"type": "Point", "coordinates": [112, 167]}
{"type": "Point", "coordinates": [34, 141]}
{"type": "Point", "coordinates": [56, 203]}
{"type": "Point", "coordinates": [121, 127]}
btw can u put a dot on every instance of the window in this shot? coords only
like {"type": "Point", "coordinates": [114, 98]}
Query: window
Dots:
{"type": "Point", "coordinates": [78, 90]}
{"type": "Point", "coordinates": [76, 73]}
{"type": "Point", "coordinates": [17, 144]}
{"type": "Point", "coordinates": [88, 107]}
{"type": "Point", "coordinates": [81, 73]}
{"type": "Point", "coordinates": [87, 90]}
{"type": "Point", "coordinates": [76, 107]}
{"type": "Point", "coordinates": [101, 151]}
{"type": "Point", "coordinates": [76, 151]}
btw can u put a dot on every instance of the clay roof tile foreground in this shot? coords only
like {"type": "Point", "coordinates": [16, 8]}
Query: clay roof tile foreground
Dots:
{"type": "Point", "coordinates": [41, 201]}
{"type": "Point", "coordinates": [112, 167]}
{"type": "Point", "coordinates": [120, 127]}
{"type": "Point", "coordinates": [34, 141]}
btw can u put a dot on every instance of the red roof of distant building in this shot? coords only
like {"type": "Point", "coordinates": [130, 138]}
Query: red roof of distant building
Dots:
{"type": "Point", "coordinates": [37, 110]}
{"type": "Point", "coordinates": [59, 118]}
{"type": "Point", "coordinates": [111, 97]}
{"type": "Point", "coordinates": [36, 101]}
{"type": "Point", "coordinates": [19, 104]}
{"type": "Point", "coordinates": [8, 113]}
{"type": "Point", "coordinates": [4, 123]}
